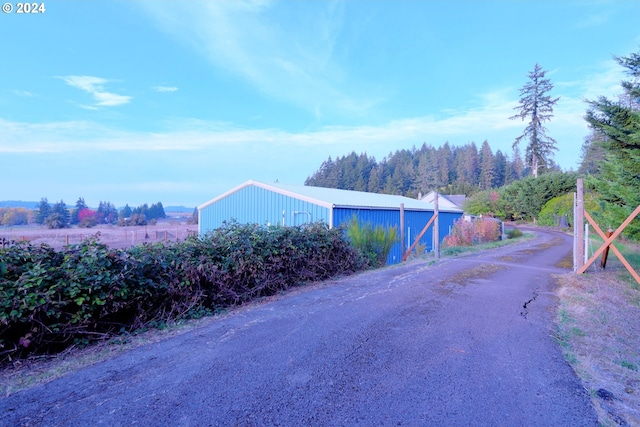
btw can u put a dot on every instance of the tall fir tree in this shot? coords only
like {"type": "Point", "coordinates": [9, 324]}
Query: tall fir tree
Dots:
{"type": "Point", "coordinates": [59, 217]}
{"type": "Point", "coordinates": [125, 212]}
{"type": "Point", "coordinates": [487, 167]}
{"type": "Point", "coordinates": [501, 168]}
{"type": "Point", "coordinates": [80, 205]}
{"type": "Point", "coordinates": [592, 154]}
{"type": "Point", "coordinates": [536, 105]}
{"type": "Point", "coordinates": [445, 164]}
{"type": "Point", "coordinates": [43, 211]}
{"type": "Point", "coordinates": [518, 165]}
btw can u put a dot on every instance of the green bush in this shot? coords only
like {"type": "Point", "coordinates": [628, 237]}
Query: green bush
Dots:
{"type": "Point", "coordinates": [562, 206]}
{"type": "Point", "coordinates": [513, 233]}
{"type": "Point", "coordinates": [373, 242]}
{"type": "Point", "coordinates": [52, 299]}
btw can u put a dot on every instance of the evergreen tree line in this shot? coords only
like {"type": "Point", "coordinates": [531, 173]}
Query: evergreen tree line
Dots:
{"type": "Point", "coordinates": [448, 169]}
{"type": "Point", "coordinates": [59, 216]}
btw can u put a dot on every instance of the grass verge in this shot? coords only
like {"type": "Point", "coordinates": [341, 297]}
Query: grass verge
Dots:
{"type": "Point", "coordinates": [598, 329]}
{"type": "Point", "coordinates": [457, 250]}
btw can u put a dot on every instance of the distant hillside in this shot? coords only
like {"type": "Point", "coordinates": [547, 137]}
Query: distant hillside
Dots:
{"type": "Point", "coordinates": [34, 205]}
{"type": "Point", "coordinates": [18, 204]}
{"type": "Point", "coordinates": [178, 209]}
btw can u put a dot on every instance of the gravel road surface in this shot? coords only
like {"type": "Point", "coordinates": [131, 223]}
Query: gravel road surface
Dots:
{"type": "Point", "coordinates": [465, 342]}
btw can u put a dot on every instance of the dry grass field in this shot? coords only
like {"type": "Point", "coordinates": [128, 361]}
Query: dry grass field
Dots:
{"type": "Point", "coordinates": [111, 235]}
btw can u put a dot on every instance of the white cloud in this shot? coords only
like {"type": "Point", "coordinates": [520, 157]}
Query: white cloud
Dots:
{"type": "Point", "coordinates": [292, 62]}
{"type": "Point", "coordinates": [24, 93]}
{"type": "Point", "coordinates": [459, 127]}
{"type": "Point", "coordinates": [165, 88]}
{"type": "Point", "coordinates": [594, 20]}
{"type": "Point", "coordinates": [95, 87]}
{"type": "Point", "coordinates": [488, 120]}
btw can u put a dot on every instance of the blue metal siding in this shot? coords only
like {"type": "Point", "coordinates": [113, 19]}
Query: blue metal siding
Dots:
{"type": "Point", "coordinates": [256, 205]}
{"type": "Point", "coordinates": [253, 204]}
{"type": "Point", "coordinates": [446, 223]}
{"type": "Point", "coordinates": [414, 222]}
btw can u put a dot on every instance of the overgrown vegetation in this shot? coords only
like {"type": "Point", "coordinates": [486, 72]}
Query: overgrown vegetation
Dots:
{"type": "Point", "coordinates": [558, 212]}
{"type": "Point", "coordinates": [373, 242]}
{"type": "Point", "coordinates": [50, 300]}
{"type": "Point", "coordinates": [522, 200]}
{"type": "Point", "coordinates": [468, 233]}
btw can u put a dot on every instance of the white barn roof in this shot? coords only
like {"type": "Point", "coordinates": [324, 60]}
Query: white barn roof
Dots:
{"type": "Point", "coordinates": [332, 197]}
{"type": "Point", "coordinates": [445, 202]}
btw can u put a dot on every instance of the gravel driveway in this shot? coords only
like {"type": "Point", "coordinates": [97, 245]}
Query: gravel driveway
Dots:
{"type": "Point", "coordinates": [466, 342]}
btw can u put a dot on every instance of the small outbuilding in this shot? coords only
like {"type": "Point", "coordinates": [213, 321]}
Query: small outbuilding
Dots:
{"type": "Point", "coordinates": [287, 205]}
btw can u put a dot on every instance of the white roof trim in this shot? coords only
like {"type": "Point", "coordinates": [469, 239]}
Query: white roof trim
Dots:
{"type": "Point", "coordinates": [270, 188]}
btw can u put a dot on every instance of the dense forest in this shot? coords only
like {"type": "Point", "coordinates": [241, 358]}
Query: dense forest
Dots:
{"type": "Point", "coordinates": [448, 169]}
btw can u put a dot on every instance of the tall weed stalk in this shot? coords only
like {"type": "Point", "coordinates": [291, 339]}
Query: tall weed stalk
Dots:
{"type": "Point", "coordinates": [374, 243]}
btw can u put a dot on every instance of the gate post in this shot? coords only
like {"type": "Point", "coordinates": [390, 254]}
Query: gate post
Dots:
{"type": "Point", "coordinates": [402, 243]}
{"type": "Point", "coordinates": [578, 227]}
{"type": "Point", "coordinates": [436, 228]}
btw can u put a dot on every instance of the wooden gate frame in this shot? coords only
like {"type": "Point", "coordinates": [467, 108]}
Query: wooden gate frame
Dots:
{"type": "Point", "coordinates": [608, 240]}
{"type": "Point", "coordinates": [415, 242]}
{"type": "Point", "coordinates": [436, 231]}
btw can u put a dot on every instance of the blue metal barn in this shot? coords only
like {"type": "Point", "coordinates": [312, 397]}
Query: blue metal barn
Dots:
{"type": "Point", "coordinates": [286, 205]}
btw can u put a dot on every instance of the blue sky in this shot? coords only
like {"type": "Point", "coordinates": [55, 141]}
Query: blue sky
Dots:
{"type": "Point", "coordinates": [178, 101]}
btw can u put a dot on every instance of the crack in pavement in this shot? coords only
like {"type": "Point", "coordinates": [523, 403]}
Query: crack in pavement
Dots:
{"type": "Point", "coordinates": [358, 348]}
{"type": "Point", "coordinates": [525, 312]}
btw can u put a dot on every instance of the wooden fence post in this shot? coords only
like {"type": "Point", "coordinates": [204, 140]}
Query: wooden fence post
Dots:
{"type": "Point", "coordinates": [436, 228]}
{"type": "Point", "coordinates": [579, 226]}
{"type": "Point", "coordinates": [605, 254]}
{"type": "Point", "coordinates": [402, 243]}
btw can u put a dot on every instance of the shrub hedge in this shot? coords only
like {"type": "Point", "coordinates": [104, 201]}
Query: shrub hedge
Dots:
{"type": "Point", "coordinates": [50, 300]}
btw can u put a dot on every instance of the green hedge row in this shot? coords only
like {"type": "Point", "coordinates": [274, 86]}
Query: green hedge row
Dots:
{"type": "Point", "coordinates": [52, 299]}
